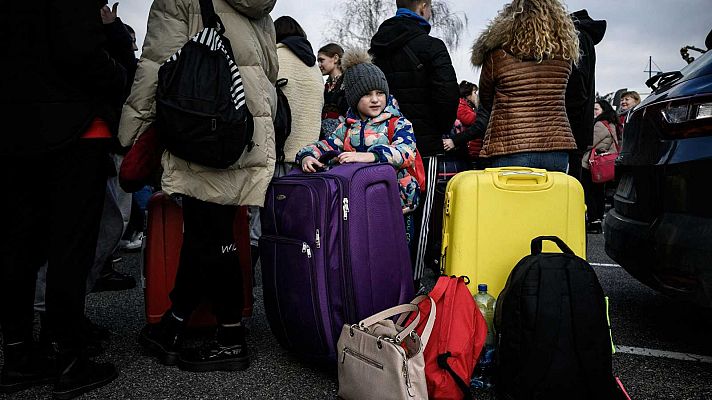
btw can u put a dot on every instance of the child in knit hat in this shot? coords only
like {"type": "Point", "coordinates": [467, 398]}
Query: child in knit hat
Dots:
{"type": "Point", "coordinates": [363, 136]}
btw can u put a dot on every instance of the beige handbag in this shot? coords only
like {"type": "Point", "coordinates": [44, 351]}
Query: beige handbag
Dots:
{"type": "Point", "coordinates": [381, 360]}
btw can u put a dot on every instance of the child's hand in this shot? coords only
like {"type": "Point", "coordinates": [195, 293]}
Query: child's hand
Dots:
{"type": "Point", "coordinates": [448, 144]}
{"type": "Point", "coordinates": [354, 157]}
{"type": "Point", "coordinates": [311, 164]}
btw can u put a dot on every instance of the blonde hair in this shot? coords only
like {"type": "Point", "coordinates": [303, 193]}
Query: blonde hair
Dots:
{"type": "Point", "coordinates": [538, 30]}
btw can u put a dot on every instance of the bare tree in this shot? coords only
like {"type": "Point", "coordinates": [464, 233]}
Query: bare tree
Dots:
{"type": "Point", "coordinates": [350, 31]}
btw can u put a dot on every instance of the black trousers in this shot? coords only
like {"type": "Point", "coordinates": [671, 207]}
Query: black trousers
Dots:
{"type": "Point", "coordinates": [595, 196]}
{"type": "Point", "coordinates": [209, 266]}
{"type": "Point", "coordinates": [52, 206]}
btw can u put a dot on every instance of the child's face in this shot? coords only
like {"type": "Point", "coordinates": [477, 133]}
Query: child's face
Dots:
{"type": "Point", "coordinates": [372, 104]}
{"type": "Point", "coordinates": [326, 63]}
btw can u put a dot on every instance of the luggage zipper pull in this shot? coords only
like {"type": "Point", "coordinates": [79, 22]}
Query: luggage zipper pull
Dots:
{"type": "Point", "coordinates": [213, 124]}
{"type": "Point", "coordinates": [346, 208]}
{"type": "Point", "coordinates": [306, 250]}
{"type": "Point", "coordinates": [318, 240]}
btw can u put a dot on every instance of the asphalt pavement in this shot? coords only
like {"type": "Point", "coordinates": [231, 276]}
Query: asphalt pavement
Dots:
{"type": "Point", "coordinates": [643, 321]}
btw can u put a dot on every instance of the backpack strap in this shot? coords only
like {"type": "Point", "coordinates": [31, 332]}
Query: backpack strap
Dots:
{"type": "Point", "coordinates": [536, 245]}
{"type": "Point", "coordinates": [545, 338]}
{"type": "Point", "coordinates": [583, 298]}
{"type": "Point", "coordinates": [392, 123]}
{"type": "Point", "coordinates": [413, 58]}
{"type": "Point", "coordinates": [464, 387]}
{"type": "Point", "coordinates": [210, 18]}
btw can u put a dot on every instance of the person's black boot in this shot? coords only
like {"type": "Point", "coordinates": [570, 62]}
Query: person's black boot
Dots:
{"type": "Point", "coordinates": [163, 339]}
{"type": "Point", "coordinates": [227, 353]}
{"type": "Point", "coordinates": [26, 365]}
{"type": "Point", "coordinates": [79, 375]}
{"type": "Point", "coordinates": [113, 280]}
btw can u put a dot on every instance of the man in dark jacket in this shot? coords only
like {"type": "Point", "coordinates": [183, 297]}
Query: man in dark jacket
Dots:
{"type": "Point", "coordinates": [60, 88]}
{"type": "Point", "coordinates": [581, 90]}
{"type": "Point", "coordinates": [421, 77]}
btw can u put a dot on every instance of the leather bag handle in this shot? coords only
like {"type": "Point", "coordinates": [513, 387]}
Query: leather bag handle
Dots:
{"type": "Point", "coordinates": [391, 312]}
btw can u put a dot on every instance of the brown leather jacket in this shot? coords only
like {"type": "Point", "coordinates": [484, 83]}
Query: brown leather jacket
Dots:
{"type": "Point", "coordinates": [527, 103]}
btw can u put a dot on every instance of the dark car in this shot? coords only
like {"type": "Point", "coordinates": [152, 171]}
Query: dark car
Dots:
{"type": "Point", "coordinates": [660, 229]}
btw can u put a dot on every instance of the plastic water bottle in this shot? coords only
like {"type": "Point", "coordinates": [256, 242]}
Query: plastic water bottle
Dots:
{"type": "Point", "coordinates": [482, 376]}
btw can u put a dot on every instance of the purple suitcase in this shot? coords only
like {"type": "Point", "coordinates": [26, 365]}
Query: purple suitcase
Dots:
{"type": "Point", "coordinates": [333, 251]}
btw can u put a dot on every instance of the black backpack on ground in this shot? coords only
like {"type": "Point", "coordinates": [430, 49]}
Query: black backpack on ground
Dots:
{"type": "Point", "coordinates": [201, 112]}
{"type": "Point", "coordinates": [282, 120]}
{"type": "Point", "coordinates": [552, 328]}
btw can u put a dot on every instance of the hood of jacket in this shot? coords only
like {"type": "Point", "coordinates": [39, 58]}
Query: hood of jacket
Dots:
{"type": "Point", "coordinates": [394, 33]}
{"type": "Point", "coordinates": [493, 37]}
{"type": "Point", "coordinates": [301, 48]}
{"type": "Point", "coordinates": [595, 28]}
{"type": "Point", "coordinates": [253, 8]}
{"type": "Point", "coordinates": [389, 112]}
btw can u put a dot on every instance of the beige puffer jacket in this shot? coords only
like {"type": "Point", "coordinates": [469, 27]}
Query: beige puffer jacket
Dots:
{"type": "Point", "coordinates": [602, 139]}
{"type": "Point", "coordinates": [248, 26]}
{"type": "Point", "coordinates": [305, 92]}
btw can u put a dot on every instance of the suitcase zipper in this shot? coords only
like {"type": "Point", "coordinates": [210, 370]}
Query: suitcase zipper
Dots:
{"type": "Point", "coordinates": [360, 357]}
{"type": "Point", "coordinates": [317, 240]}
{"type": "Point", "coordinates": [345, 207]}
{"type": "Point", "coordinates": [306, 250]}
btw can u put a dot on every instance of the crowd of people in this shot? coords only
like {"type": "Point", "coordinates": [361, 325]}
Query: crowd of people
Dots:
{"type": "Point", "coordinates": [76, 80]}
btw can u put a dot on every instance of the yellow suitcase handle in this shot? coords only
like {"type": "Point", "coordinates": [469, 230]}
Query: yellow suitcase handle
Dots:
{"type": "Point", "coordinates": [517, 178]}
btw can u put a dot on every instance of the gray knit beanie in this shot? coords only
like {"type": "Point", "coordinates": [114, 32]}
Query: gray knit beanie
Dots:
{"type": "Point", "coordinates": [361, 76]}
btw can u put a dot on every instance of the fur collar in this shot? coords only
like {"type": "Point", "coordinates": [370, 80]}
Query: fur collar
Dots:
{"type": "Point", "coordinates": [492, 38]}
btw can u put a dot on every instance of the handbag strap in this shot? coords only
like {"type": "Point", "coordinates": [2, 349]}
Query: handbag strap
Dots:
{"type": "Point", "coordinates": [613, 135]}
{"type": "Point", "coordinates": [391, 312]}
{"type": "Point", "coordinates": [429, 324]}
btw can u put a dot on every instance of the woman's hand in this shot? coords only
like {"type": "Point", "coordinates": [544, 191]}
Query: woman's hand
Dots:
{"type": "Point", "coordinates": [311, 164]}
{"type": "Point", "coordinates": [354, 157]}
{"type": "Point", "coordinates": [448, 144]}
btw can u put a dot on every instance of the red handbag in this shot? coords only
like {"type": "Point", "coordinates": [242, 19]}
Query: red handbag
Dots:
{"type": "Point", "coordinates": [141, 162]}
{"type": "Point", "coordinates": [602, 166]}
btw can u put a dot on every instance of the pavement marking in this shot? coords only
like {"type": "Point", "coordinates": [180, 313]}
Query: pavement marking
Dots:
{"type": "Point", "coordinates": [641, 351]}
{"type": "Point", "coordinates": [604, 265]}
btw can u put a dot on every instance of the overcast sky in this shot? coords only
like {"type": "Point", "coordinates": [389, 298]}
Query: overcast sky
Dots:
{"type": "Point", "coordinates": [636, 30]}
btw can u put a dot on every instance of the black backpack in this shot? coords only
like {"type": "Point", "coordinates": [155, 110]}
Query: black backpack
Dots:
{"type": "Point", "coordinates": [552, 329]}
{"type": "Point", "coordinates": [282, 121]}
{"type": "Point", "coordinates": [201, 114]}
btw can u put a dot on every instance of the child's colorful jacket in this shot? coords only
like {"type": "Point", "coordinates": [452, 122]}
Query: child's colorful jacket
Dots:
{"type": "Point", "coordinates": [371, 136]}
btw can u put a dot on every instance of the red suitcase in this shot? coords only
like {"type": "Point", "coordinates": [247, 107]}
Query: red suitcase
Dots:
{"type": "Point", "coordinates": [164, 238]}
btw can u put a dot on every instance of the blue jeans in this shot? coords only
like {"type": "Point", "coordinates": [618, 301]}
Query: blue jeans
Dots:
{"type": "Point", "coordinates": [548, 160]}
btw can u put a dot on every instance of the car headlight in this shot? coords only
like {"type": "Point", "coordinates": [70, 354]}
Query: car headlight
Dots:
{"type": "Point", "coordinates": [676, 114]}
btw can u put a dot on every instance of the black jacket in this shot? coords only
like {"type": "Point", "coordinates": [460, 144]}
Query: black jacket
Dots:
{"type": "Point", "coordinates": [59, 76]}
{"type": "Point", "coordinates": [581, 90]}
{"type": "Point", "coordinates": [426, 88]}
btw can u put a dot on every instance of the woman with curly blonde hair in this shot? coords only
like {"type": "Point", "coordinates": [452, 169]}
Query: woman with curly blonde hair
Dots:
{"type": "Point", "coordinates": [526, 55]}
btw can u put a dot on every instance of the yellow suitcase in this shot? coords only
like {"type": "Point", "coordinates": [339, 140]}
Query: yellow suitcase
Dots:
{"type": "Point", "coordinates": [491, 217]}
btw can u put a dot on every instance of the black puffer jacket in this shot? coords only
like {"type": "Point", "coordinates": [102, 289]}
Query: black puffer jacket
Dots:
{"type": "Point", "coordinates": [59, 77]}
{"type": "Point", "coordinates": [427, 92]}
{"type": "Point", "coordinates": [581, 90]}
